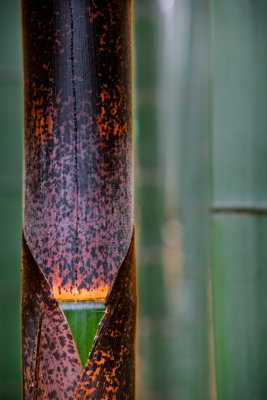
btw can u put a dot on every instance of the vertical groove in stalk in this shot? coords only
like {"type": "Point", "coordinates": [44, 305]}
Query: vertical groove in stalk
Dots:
{"type": "Point", "coordinates": [76, 142]}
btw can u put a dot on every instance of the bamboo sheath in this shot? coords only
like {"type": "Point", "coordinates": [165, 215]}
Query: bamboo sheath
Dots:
{"type": "Point", "coordinates": [78, 242]}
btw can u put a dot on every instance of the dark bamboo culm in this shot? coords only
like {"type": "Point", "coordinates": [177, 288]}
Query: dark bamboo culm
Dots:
{"type": "Point", "coordinates": [78, 240]}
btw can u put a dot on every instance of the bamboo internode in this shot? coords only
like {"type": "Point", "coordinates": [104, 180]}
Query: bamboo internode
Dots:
{"type": "Point", "coordinates": [78, 202]}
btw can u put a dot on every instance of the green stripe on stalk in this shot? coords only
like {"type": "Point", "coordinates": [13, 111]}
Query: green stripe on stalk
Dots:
{"type": "Point", "coordinates": [83, 318]}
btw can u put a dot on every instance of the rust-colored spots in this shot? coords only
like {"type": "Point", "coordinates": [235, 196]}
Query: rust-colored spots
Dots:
{"type": "Point", "coordinates": [51, 365]}
{"type": "Point", "coordinates": [78, 213]}
{"type": "Point", "coordinates": [110, 370]}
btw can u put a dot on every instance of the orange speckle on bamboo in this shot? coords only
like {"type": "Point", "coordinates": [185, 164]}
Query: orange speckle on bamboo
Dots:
{"type": "Point", "coordinates": [62, 294]}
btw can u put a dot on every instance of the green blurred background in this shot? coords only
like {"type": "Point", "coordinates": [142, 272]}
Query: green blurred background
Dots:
{"type": "Point", "coordinates": [200, 123]}
{"type": "Point", "coordinates": [10, 197]}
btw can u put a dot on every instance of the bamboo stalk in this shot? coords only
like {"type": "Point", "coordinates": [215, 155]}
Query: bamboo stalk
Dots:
{"type": "Point", "coordinates": [78, 243]}
{"type": "Point", "coordinates": [185, 135]}
{"type": "Point", "coordinates": [239, 198]}
{"type": "Point", "coordinates": [10, 199]}
{"type": "Point", "coordinates": [153, 337]}
{"type": "Point", "coordinates": [194, 200]}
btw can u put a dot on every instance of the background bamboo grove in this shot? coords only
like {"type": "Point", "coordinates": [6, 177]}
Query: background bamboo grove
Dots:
{"type": "Point", "coordinates": [200, 132]}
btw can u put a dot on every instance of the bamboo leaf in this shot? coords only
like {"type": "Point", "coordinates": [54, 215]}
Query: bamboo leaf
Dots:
{"type": "Point", "coordinates": [83, 319]}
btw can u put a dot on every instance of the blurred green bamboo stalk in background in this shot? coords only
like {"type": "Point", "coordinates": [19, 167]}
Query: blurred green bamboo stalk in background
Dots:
{"type": "Point", "coordinates": [239, 175]}
{"type": "Point", "coordinates": [186, 118]}
{"type": "Point", "coordinates": [10, 198]}
{"type": "Point", "coordinates": [152, 309]}
{"type": "Point", "coordinates": [193, 168]}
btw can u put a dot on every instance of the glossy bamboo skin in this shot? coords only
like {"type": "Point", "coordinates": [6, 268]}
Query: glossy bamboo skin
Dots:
{"type": "Point", "coordinates": [77, 142]}
{"type": "Point", "coordinates": [78, 241]}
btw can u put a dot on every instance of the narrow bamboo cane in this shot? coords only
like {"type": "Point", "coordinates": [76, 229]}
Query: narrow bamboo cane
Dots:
{"type": "Point", "coordinates": [10, 199]}
{"type": "Point", "coordinates": [240, 198]}
{"type": "Point", "coordinates": [185, 136]}
{"type": "Point", "coordinates": [154, 331]}
{"type": "Point", "coordinates": [78, 243]}
{"type": "Point", "coordinates": [193, 131]}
